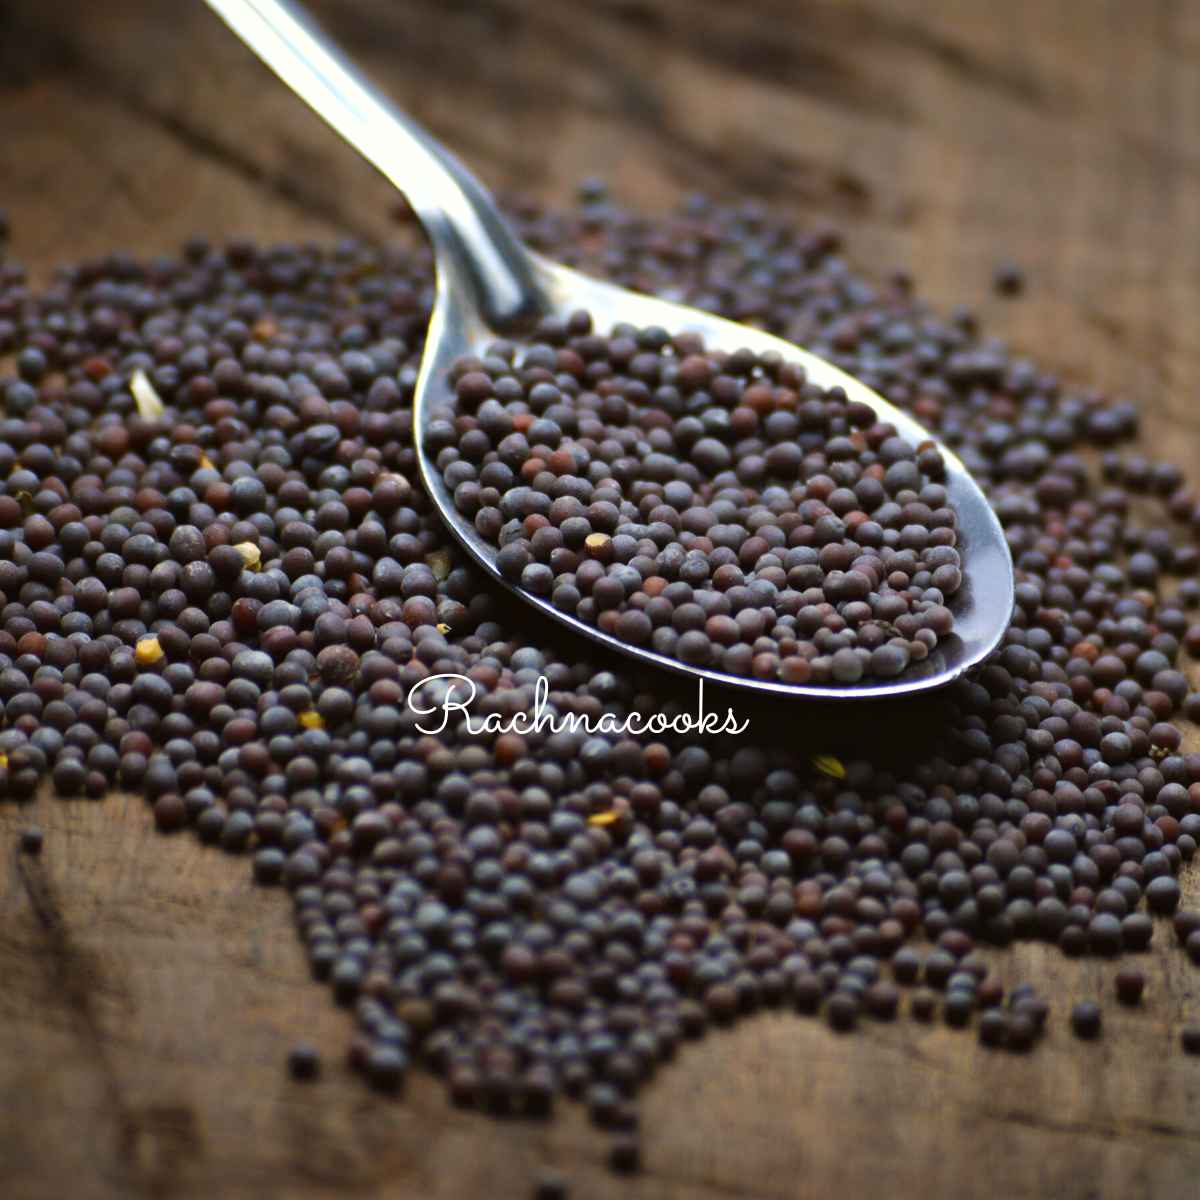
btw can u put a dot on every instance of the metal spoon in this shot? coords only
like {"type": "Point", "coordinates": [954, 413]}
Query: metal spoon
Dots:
{"type": "Point", "coordinates": [489, 283]}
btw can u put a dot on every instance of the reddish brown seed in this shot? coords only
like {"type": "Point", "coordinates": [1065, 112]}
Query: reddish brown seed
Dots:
{"type": "Point", "coordinates": [304, 1062]}
{"type": "Point", "coordinates": [1086, 1020]}
{"type": "Point", "coordinates": [923, 1005]}
{"type": "Point", "coordinates": [625, 1155]}
{"type": "Point", "coordinates": [1130, 983]}
{"type": "Point", "coordinates": [170, 813]}
{"type": "Point", "coordinates": [882, 1001]}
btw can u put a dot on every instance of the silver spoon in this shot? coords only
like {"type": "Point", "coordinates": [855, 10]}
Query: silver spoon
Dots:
{"type": "Point", "coordinates": [489, 282]}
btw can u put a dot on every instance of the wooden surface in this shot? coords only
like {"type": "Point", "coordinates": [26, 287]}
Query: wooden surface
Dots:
{"type": "Point", "coordinates": [149, 992]}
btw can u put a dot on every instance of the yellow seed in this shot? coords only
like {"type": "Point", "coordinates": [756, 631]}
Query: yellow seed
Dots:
{"type": "Point", "coordinates": [207, 463]}
{"type": "Point", "coordinates": [148, 651]}
{"type": "Point", "coordinates": [311, 719]}
{"type": "Point", "coordinates": [595, 542]}
{"type": "Point", "coordinates": [829, 764]}
{"type": "Point", "coordinates": [3, 760]}
{"type": "Point", "coordinates": [251, 555]}
{"type": "Point", "coordinates": [149, 402]}
{"type": "Point", "coordinates": [439, 563]}
{"type": "Point", "coordinates": [608, 817]}
{"type": "Point", "coordinates": [442, 628]}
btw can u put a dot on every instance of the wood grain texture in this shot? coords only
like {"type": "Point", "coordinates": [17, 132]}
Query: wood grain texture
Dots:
{"type": "Point", "coordinates": [149, 992]}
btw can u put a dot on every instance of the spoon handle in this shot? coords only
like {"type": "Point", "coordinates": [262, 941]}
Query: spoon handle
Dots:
{"type": "Point", "coordinates": [478, 255]}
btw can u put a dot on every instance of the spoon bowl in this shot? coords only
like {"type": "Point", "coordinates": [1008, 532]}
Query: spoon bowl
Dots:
{"type": "Point", "coordinates": [490, 285]}
{"type": "Point", "coordinates": [983, 604]}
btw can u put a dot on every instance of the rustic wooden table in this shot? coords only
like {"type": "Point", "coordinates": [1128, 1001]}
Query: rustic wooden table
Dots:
{"type": "Point", "coordinates": [149, 992]}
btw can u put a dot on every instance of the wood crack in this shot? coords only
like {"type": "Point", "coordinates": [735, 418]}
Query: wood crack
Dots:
{"type": "Point", "coordinates": [1091, 1128]}
{"type": "Point", "coordinates": [203, 144]}
{"type": "Point", "coordinates": [73, 978]}
{"type": "Point", "coordinates": [52, 48]}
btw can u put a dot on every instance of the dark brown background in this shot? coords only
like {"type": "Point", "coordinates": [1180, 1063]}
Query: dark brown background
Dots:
{"type": "Point", "coordinates": [148, 993]}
